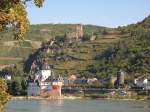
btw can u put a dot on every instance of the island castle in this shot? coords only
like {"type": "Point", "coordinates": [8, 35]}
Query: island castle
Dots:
{"type": "Point", "coordinates": [44, 83]}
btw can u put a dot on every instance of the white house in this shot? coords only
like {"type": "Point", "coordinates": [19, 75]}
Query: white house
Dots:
{"type": "Point", "coordinates": [91, 80]}
{"type": "Point", "coordinates": [144, 83]}
{"type": "Point", "coordinates": [5, 75]}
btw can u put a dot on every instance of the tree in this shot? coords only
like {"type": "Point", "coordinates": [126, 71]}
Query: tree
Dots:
{"type": "Point", "coordinates": [104, 32]}
{"type": "Point", "coordinates": [13, 16]}
{"type": "Point", "coordinates": [86, 37]}
{"type": "Point", "coordinates": [23, 87]}
{"type": "Point", "coordinates": [92, 69]}
{"type": "Point", "coordinates": [16, 88]}
{"type": "Point", "coordinates": [4, 97]}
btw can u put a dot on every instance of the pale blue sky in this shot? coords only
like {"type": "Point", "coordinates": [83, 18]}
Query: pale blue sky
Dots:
{"type": "Point", "coordinates": [110, 13]}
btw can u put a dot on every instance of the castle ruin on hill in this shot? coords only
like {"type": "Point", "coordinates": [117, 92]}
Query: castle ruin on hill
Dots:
{"type": "Point", "coordinates": [76, 35]}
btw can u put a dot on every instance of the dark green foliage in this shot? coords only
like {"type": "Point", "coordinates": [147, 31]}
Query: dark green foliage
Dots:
{"type": "Point", "coordinates": [17, 85]}
{"type": "Point", "coordinates": [108, 85]}
{"type": "Point", "coordinates": [23, 87]}
{"type": "Point", "coordinates": [60, 39]}
{"type": "Point", "coordinates": [29, 61]}
{"type": "Point", "coordinates": [104, 32]}
{"type": "Point", "coordinates": [86, 37]}
{"type": "Point", "coordinates": [131, 54]}
{"type": "Point", "coordinates": [15, 70]}
{"type": "Point", "coordinates": [15, 88]}
{"type": "Point", "coordinates": [92, 69]}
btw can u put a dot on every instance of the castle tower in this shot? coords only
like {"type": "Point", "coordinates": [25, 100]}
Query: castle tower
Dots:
{"type": "Point", "coordinates": [79, 31]}
{"type": "Point", "coordinates": [120, 77]}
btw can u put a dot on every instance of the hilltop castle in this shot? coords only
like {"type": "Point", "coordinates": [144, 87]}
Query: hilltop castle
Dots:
{"type": "Point", "coordinates": [76, 35]}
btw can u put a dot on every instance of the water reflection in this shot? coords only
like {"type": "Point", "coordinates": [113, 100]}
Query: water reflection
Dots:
{"type": "Point", "coordinates": [147, 106]}
{"type": "Point", "coordinates": [51, 106]}
{"type": "Point", "coordinates": [77, 106]}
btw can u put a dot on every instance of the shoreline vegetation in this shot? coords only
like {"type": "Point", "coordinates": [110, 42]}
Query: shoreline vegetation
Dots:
{"type": "Point", "coordinates": [71, 97]}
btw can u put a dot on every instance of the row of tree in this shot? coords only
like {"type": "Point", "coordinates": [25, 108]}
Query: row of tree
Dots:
{"type": "Point", "coordinates": [17, 87]}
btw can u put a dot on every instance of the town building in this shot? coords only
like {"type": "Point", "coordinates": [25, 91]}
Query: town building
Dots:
{"type": "Point", "coordinates": [69, 80]}
{"type": "Point", "coordinates": [5, 75]}
{"type": "Point", "coordinates": [142, 83]}
{"type": "Point", "coordinates": [91, 81]}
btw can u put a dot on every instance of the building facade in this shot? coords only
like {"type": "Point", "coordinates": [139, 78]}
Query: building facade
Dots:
{"type": "Point", "coordinates": [142, 83]}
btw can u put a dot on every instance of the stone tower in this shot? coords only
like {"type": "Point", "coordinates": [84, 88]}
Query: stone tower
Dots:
{"type": "Point", "coordinates": [120, 77]}
{"type": "Point", "coordinates": [79, 31]}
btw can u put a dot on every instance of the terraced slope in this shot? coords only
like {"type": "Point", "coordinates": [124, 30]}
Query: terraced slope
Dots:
{"type": "Point", "coordinates": [75, 58]}
{"type": "Point", "coordinates": [11, 52]}
{"type": "Point", "coordinates": [84, 55]}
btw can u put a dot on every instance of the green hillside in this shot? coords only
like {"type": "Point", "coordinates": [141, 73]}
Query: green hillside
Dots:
{"type": "Point", "coordinates": [74, 58]}
{"type": "Point", "coordinates": [131, 54]}
{"type": "Point", "coordinates": [125, 48]}
{"type": "Point", "coordinates": [37, 34]}
{"type": "Point", "coordinates": [43, 32]}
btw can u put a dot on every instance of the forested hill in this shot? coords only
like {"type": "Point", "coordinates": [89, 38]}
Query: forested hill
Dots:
{"type": "Point", "coordinates": [145, 23]}
{"type": "Point", "coordinates": [132, 54]}
{"type": "Point", "coordinates": [142, 25]}
{"type": "Point", "coordinates": [129, 50]}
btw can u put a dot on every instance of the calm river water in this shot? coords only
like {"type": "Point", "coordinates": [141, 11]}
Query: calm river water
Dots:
{"type": "Point", "coordinates": [77, 106]}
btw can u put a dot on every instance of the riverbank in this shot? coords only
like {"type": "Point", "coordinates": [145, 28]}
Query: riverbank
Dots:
{"type": "Point", "coordinates": [43, 98]}
{"type": "Point", "coordinates": [70, 97]}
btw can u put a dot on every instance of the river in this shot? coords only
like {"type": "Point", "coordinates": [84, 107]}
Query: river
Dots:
{"type": "Point", "coordinates": [77, 106]}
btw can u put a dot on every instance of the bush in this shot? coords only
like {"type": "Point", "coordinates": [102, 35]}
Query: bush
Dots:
{"type": "Point", "coordinates": [4, 96]}
{"type": "Point", "coordinates": [86, 37]}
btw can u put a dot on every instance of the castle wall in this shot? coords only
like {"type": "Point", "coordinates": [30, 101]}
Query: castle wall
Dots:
{"type": "Point", "coordinates": [46, 84]}
{"type": "Point", "coordinates": [33, 89]}
{"type": "Point", "coordinates": [45, 74]}
{"type": "Point", "coordinates": [45, 89]}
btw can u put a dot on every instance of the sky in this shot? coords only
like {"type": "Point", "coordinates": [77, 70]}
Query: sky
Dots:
{"type": "Point", "coordinates": [109, 13]}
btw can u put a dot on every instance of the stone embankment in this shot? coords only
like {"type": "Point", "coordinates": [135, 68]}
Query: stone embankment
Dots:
{"type": "Point", "coordinates": [70, 97]}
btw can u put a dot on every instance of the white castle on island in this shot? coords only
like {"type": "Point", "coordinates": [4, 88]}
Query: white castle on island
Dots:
{"type": "Point", "coordinates": [44, 83]}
